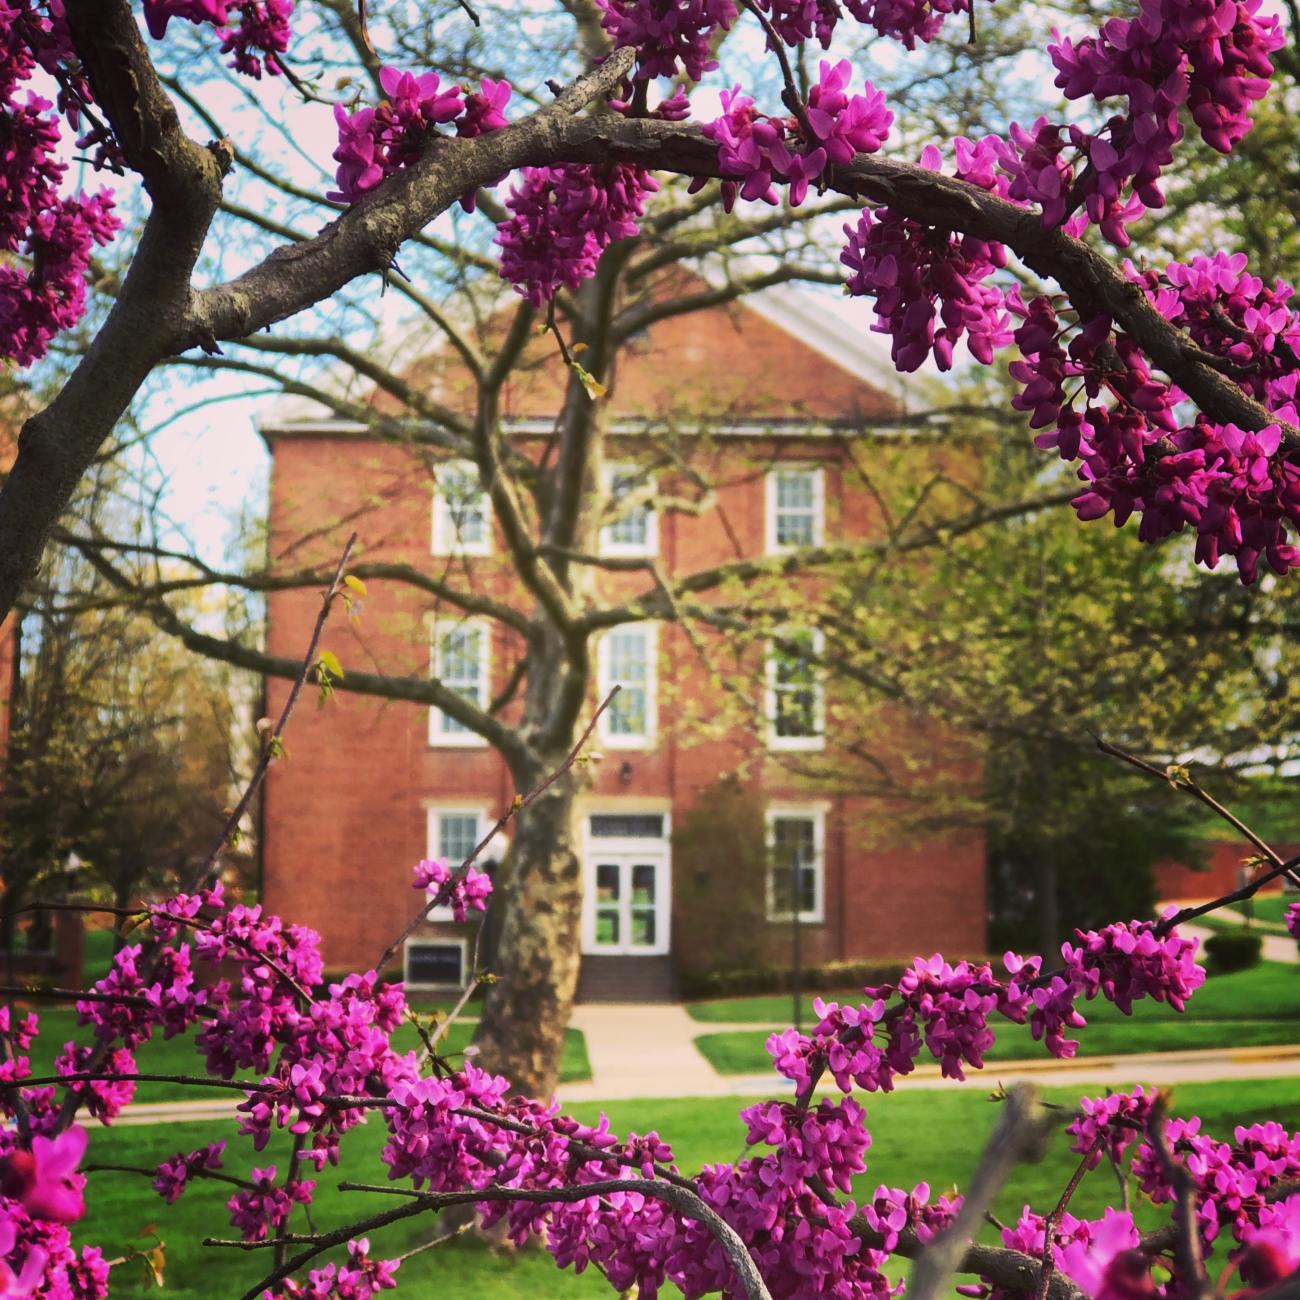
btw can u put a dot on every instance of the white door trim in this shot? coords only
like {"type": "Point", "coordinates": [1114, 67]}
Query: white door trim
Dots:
{"type": "Point", "coordinates": [623, 849]}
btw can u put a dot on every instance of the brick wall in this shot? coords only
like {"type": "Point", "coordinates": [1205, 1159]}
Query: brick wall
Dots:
{"type": "Point", "coordinates": [346, 814]}
{"type": "Point", "coordinates": [1176, 881]}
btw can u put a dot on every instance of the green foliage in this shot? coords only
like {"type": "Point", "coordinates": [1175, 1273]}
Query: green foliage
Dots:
{"type": "Point", "coordinates": [1083, 828]}
{"type": "Point", "coordinates": [719, 865]}
{"type": "Point", "coordinates": [826, 977]}
{"type": "Point", "coordinates": [1232, 950]}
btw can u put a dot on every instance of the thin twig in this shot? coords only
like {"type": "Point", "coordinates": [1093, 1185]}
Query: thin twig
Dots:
{"type": "Point", "coordinates": [1018, 1136]}
{"type": "Point", "coordinates": [199, 879]}
{"type": "Point", "coordinates": [1184, 781]}
{"type": "Point", "coordinates": [74, 995]}
{"type": "Point", "coordinates": [1187, 1245]}
{"type": "Point", "coordinates": [790, 95]}
{"type": "Point", "coordinates": [271, 747]}
{"type": "Point", "coordinates": [71, 907]}
{"type": "Point", "coordinates": [685, 1202]}
{"type": "Point", "coordinates": [214, 1174]}
{"type": "Point", "coordinates": [1058, 1212]}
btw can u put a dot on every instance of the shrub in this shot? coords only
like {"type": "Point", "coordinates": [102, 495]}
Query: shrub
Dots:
{"type": "Point", "coordinates": [1232, 950]}
{"type": "Point", "coordinates": [741, 981]}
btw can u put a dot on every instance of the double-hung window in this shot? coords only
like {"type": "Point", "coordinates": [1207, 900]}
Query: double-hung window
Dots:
{"type": "Point", "coordinates": [453, 834]}
{"type": "Point", "coordinates": [461, 663]}
{"type": "Point", "coordinates": [633, 529]}
{"type": "Point", "coordinates": [462, 520]}
{"type": "Point", "coordinates": [796, 863]}
{"type": "Point", "coordinates": [796, 508]}
{"type": "Point", "coordinates": [796, 704]}
{"type": "Point", "coordinates": [627, 660]}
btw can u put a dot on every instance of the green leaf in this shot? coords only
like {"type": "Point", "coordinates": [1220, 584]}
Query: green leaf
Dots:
{"type": "Point", "coordinates": [356, 584]}
{"type": "Point", "coordinates": [329, 661]}
{"type": "Point", "coordinates": [589, 381]}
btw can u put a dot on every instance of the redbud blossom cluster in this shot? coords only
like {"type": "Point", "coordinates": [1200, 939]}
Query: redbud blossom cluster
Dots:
{"type": "Point", "coordinates": [315, 1049]}
{"type": "Point", "coordinates": [563, 218]}
{"type": "Point", "coordinates": [945, 1009]}
{"type": "Point", "coordinates": [376, 142]}
{"type": "Point", "coordinates": [755, 150]}
{"type": "Point", "coordinates": [258, 39]}
{"type": "Point", "coordinates": [462, 893]}
{"type": "Point", "coordinates": [47, 238]}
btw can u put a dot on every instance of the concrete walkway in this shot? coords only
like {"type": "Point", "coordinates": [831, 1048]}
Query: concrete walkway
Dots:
{"type": "Point", "coordinates": [642, 1051]}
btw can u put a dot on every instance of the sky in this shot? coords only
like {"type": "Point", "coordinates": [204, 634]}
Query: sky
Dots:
{"type": "Point", "coordinates": [213, 460]}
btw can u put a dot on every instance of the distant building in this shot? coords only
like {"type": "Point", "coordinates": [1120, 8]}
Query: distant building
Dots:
{"type": "Point", "coordinates": [371, 786]}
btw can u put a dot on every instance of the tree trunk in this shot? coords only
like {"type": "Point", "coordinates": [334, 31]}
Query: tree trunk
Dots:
{"type": "Point", "coordinates": [526, 1011]}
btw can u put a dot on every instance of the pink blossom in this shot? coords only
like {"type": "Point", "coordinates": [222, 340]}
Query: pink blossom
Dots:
{"type": "Point", "coordinates": [44, 1178]}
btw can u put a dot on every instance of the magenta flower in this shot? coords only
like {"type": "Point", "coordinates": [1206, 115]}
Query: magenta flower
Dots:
{"type": "Point", "coordinates": [16, 1286]}
{"type": "Point", "coordinates": [45, 1179]}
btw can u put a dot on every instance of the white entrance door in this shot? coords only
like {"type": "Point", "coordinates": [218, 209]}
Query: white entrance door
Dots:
{"type": "Point", "coordinates": [626, 901]}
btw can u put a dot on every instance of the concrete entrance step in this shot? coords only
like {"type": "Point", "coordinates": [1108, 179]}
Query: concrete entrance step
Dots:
{"type": "Point", "coordinates": [626, 979]}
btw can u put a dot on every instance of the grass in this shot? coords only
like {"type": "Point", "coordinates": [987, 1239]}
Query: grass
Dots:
{"type": "Point", "coordinates": [741, 1051]}
{"type": "Point", "coordinates": [1269, 991]}
{"type": "Point", "coordinates": [1271, 907]}
{"type": "Point", "coordinates": [932, 1135]}
{"type": "Point", "coordinates": [1267, 994]}
{"type": "Point", "coordinates": [178, 1055]}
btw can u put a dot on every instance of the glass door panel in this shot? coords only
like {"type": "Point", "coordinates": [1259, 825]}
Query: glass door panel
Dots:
{"type": "Point", "coordinates": [642, 904]}
{"type": "Point", "coordinates": [609, 904]}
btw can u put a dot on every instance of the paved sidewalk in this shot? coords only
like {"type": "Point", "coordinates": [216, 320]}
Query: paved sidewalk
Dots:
{"type": "Point", "coordinates": [642, 1050]}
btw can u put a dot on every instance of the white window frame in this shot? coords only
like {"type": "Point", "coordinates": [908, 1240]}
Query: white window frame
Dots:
{"type": "Point", "coordinates": [433, 840]}
{"type": "Point", "coordinates": [815, 813]}
{"type": "Point", "coordinates": [439, 735]}
{"type": "Point", "coordinates": [455, 941]}
{"type": "Point", "coordinates": [813, 742]}
{"type": "Point", "coordinates": [445, 539]}
{"type": "Point", "coordinates": [605, 684]}
{"type": "Point", "coordinates": [631, 550]}
{"type": "Point", "coordinates": [818, 507]}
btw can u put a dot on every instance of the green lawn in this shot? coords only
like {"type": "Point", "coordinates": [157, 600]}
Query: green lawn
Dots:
{"type": "Point", "coordinates": [1247, 1008]}
{"type": "Point", "coordinates": [1272, 907]}
{"type": "Point", "coordinates": [934, 1136]}
{"type": "Point", "coordinates": [178, 1055]}
{"type": "Point", "coordinates": [1269, 991]}
{"type": "Point", "coordinates": [741, 1051]}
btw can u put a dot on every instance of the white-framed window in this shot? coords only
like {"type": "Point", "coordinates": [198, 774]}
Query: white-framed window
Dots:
{"type": "Point", "coordinates": [462, 519]}
{"type": "Point", "coordinates": [634, 530]}
{"type": "Point", "coordinates": [461, 662]}
{"type": "Point", "coordinates": [796, 508]}
{"type": "Point", "coordinates": [626, 659]}
{"type": "Point", "coordinates": [796, 695]}
{"type": "Point", "coordinates": [433, 964]}
{"type": "Point", "coordinates": [796, 863]}
{"type": "Point", "coordinates": [452, 833]}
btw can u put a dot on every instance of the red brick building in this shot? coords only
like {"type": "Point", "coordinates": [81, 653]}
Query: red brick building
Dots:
{"type": "Point", "coordinates": [774, 393]}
